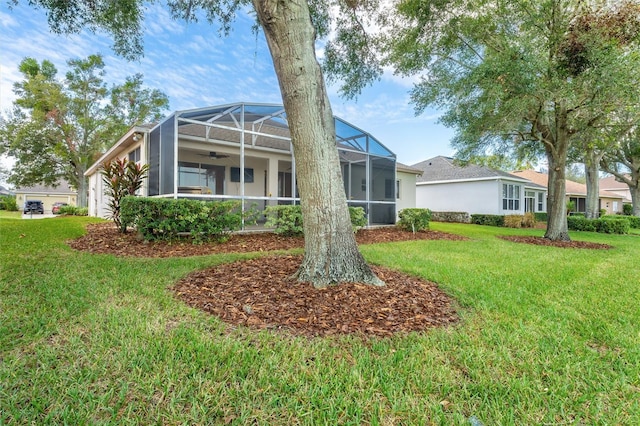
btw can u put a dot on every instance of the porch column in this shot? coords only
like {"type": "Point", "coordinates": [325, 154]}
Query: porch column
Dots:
{"type": "Point", "coordinates": [272, 180]}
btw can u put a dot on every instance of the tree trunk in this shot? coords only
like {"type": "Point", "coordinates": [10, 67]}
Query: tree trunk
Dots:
{"type": "Point", "coordinates": [331, 252]}
{"type": "Point", "coordinates": [557, 229]}
{"type": "Point", "coordinates": [591, 171]}
{"type": "Point", "coordinates": [635, 199]}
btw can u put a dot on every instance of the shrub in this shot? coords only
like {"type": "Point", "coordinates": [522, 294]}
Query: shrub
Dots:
{"type": "Point", "coordinates": [634, 221]}
{"type": "Point", "coordinates": [580, 223]}
{"type": "Point", "coordinates": [358, 218]}
{"type": "Point", "coordinates": [603, 212]}
{"type": "Point", "coordinates": [529, 220]}
{"type": "Point", "coordinates": [487, 219]}
{"type": "Point", "coordinates": [8, 202]}
{"type": "Point", "coordinates": [612, 226]}
{"type": "Point", "coordinates": [287, 220]}
{"type": "Point", "coordinates": [541, 216]}
{"type": "Point", "coordinates": [168, 219]}
{"type": "Point", "coordinates": [513, 220]}
{"type": "Point", "coordinates": [74, 211]}
{"type": "Point", "coordinates": [121, 178]}
{"type": "Point", "coordinates": [627, 209]}
{"type": "Point", "coordinates": [457, 217]}
{"type": "Point", "coordinates": [414, 219]}
{"type": "Point", "coordinates": [607, 224]}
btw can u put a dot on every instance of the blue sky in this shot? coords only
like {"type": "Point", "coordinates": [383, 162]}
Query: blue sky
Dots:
{"type": "Point", "coordinates": [196, 67]}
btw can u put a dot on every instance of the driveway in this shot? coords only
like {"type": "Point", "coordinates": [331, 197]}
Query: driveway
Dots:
{"type": "Point", "coordinates": [37, 216]}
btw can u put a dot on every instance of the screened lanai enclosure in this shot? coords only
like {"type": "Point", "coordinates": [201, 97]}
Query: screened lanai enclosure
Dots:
{"type": "Point", "coordinates": [243, 151]}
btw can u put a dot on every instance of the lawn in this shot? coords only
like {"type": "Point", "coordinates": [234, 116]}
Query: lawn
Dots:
{"type": "Point", "coordinates": [548, 336]}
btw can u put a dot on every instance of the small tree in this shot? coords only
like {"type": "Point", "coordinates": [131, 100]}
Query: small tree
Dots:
{"type": "Point", "coordinates": [122, 178]}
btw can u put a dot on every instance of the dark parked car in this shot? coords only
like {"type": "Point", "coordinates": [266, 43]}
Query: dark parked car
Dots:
{"type": "Point", "coordinates": [33, 206]}
{"type": "Point", "coordinates": [56, 207]}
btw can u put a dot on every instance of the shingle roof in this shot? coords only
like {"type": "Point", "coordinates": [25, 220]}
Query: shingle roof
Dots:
{"type": "Point", "coordinates": [445, 168]}
{"type": "Point", "coordinates": [407, 169]}
{"type": "Point", "coordinates": [572, 188]}
{"type": "Point", "coordinates": [62, 188]}
{"type": "Point", "coordinates": [611, 182]}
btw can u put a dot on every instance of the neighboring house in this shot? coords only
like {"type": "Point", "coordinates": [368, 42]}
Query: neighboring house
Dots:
{"type": "Point", "coordinates": [243, 151]}
{"type": "Point", "coordinates": [446, 186]}
{"type": "Point", "coordinates": [62, 193]}
{"type": "Point", "coordinates": [6, 191]}
{"type": "Point", "coordinates": [577, 192]}
{"type": "Point", "coordinates": [610, 185]}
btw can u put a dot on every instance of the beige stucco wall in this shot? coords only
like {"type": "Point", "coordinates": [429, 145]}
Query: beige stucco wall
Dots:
{"type": "Point", "coordinates": [407, 186]}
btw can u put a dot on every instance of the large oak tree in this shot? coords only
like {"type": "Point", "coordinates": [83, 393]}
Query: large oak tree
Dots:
{"type": "Point", "coordinates": [291, 28]}
{"type": "Point", "coordinates": [59, 127]}
{"type": "Point", "coordinates": [508, 73]}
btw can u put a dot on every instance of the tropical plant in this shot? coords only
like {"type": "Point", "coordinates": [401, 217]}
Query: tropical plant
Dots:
{"type": "Point", "coordinates": [122, 178]}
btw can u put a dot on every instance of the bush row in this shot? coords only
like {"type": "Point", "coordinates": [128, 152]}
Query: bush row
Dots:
{"type": "Point", "coordinates": [527, 220]}
{"type": "Point", "coordinates": [606, 224]}
{"type": "Point", "coordinates": [456, 217]}
{"type": "Point", "coordinates": [167, 219]}
{"type": "Point", "coordinates": [74, 211]}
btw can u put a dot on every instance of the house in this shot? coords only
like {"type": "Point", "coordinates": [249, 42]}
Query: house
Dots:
{"type": "Point", "coordinates": [448, 186]}
{"type": "Point", "coordinates": [577, 193]}
{"type": "Point", "coordinates": [611, 185]}
{"type": "Point", "coordinates": [243, 151]}
{"type": "Point", "coordinates": [62, 193]}
{"type": "Point", "coordinates": [5, 191]}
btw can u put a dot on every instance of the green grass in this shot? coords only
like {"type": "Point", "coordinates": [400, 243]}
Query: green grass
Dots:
{"type": "Point", "coordinates": [548, 336]}
{"type": "Point", "coordinates": [4, 214]}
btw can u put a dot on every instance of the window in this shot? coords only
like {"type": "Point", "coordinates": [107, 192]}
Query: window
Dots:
{"type": "Point", "coordinates": [579, 203]}
{"type": "Point", "coordinates": [398, 189]}
{"type": "Point", "coordinates": [202, 176]}
{"type": "Point", "coordinates": [510, 197]}
{"type": "Point", "coordinates": [540, 202]}
{"type": "Point", "coordinates": [388, 188]}
{"type": "Point", "coordinates": [615, 207]}
{"type": "Point", "coordinates": [135, 155]}
{"type": "Point", "coordinates": [235, 175]}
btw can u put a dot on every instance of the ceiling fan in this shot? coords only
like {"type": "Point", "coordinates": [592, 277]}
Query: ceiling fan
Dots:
{"type": "Point", "coordinates": [213, 154]}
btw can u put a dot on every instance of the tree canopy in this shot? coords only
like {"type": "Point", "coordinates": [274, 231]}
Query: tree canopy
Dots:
{"type": "Point", "coordinates": [59, 127]}
{"type": "Point", "coordinates": [520, 75]}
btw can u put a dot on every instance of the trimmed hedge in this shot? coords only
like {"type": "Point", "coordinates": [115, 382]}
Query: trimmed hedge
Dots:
{"type": "Point", "coordinates": [487, 219]}
{"type": "Point", "coordinates": [287, 220]}
{"type": "Point", "coordinates": [455, 217]}
{"type": "Point", "coordinates": [541, 216]}
{"type": "Point", "coordinates": [74, 211]}
{"type": "Point", "coordinates": [607, 224]}
{"type": "Point", "coordinates": [634, 221]}
{"type": "Point", "coordinates": [414, 219]}
{"type": "Point", "coordinates": [167, 219]}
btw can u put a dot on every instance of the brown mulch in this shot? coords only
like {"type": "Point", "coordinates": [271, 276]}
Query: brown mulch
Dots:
{"type": "Point", "coordinates": [541, 241]}
{"type": "Point", "coordinates": [259, 294]}
{"type": "Point", "coordinates": [103, 238]}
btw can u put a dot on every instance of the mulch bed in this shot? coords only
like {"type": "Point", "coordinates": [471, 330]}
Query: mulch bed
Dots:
{"type": "Point", "coordinates": [104, 238]}
{"type": "Point", "coordinates": [540, 241]}
{"type": "Point", "coordinates": [259, 294]}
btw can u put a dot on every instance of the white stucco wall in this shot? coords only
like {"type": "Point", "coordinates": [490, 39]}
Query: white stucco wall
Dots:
{"type": "Point", "coordinates": [407, 196]}
{"type": "Point", "coordinates": [473, 197]}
